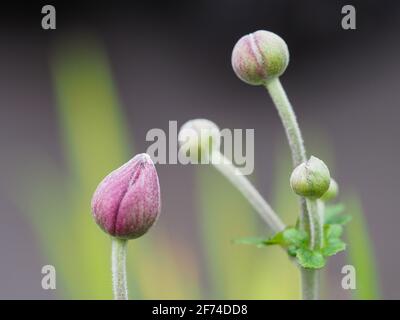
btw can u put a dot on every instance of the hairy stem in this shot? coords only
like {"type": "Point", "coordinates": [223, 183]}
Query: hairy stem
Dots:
{"type": "Point", "coordinates": [293, 134]}
{"type": "Point", "coordinates": [316, 236]}
{"type": "Point", "coordinates": [310, 277]}
{"type": "Point", "coordinates": [289, 120]}
{"type": "Point", "coordinates": [118, 269]}
{"type": "Point", "coordinates": [233, 174]}
{"type": "Point", "coordinates": [309, 284]}
{"type": "Point", "coordinates": [321, 215]}
{"type": "Point", "coordinates": [309, 216]}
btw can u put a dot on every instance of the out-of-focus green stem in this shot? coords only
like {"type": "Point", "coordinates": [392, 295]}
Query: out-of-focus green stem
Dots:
{"type": "Point", "coordinates": [233, 174]}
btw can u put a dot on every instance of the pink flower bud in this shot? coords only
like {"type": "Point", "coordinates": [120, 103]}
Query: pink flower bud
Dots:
{"type": "Point", "coordinates": [260, 56]}
{"type": "Point", "coordinates": [127, 202]}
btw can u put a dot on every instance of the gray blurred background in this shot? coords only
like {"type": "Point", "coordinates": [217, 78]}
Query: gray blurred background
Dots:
{"type": "Point", "coordinates": [171, 61]}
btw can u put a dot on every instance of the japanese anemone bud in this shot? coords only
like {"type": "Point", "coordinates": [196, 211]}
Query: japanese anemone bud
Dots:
{"type": "Point", "coordinates": [310, 179]}
{"type": "Point", "coordinates": [260, 56]}
{"type": "Point", "coordinates": [200, 137]}
{"type": "Point", "coordinates": [332, 192]}
{"type": "Point", "coordinates": [127, 202]}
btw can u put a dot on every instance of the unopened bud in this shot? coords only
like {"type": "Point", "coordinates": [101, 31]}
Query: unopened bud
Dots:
{"type": "Point", "coordinates": [310, 179]}
{"type": "Point", "coordinates": [127, 202]}
{"type": "Point", "coordinates": [200, 137]}
{"type": "Point", "coordinates": [260, 56]}
{"type": "Point", "coordinates": [332, 192]}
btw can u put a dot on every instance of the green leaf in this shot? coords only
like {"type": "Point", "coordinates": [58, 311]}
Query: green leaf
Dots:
{"type": "Point", "coordinates": [310, 259]}
{"type": "Point", "coordinates": [289, 237]}
{"type": "Point", "coordinates": [275, 239]}
{"type": "Point", "coordinates": [333, 243]}
{"type": "Point", "coordinates": [292, 251]}
{"type": "Point", "coordinates": [333, 246]}
{"type": "Point", "coordinates": [334, 209]}
{"type": "Point", "coordinates": [339, 219]}
{"type": "Point", "coordinates": [259, 242]}
{"type": "Point", "coordinates": [333, 215]}
{"type": "Point", "coordinates": [333, 231]}
{"type": "Point", "coordinates": [295, 237]}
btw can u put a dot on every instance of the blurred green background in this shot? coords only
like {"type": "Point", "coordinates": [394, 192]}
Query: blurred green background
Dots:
{"type": "Point", "coordinates": [105, 90]}
{"type": "Point", "coordinates": [94, 141]}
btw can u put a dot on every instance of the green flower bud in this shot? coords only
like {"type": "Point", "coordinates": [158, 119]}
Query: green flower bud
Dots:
{"type": "Point", "coordinates": [332, 191]}
{"type": "Point", "coordinates": [200, 137]}
{"type": "Point", "coordinates": [260, 56]}
{"type": "Point", "coordinates": [310, 179]}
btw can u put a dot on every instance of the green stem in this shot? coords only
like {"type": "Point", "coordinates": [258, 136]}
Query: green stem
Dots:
{"type": "Point", "coordinates": [289, 120]}
{"type": "Point", "coordinates": [118, 269]}
{"type": "Point", "coordinates": [313, 211]}
{"type": "Point", "coordinates": [321, 214]}
{"type": "Point", "coordinates": [233, 174]}
{"type": "Point", "coordinates": [309, 217]}
{"type": "Point", "coordinates": [293, 133]}
{"type": "Point", "coordinates": [309, 284]}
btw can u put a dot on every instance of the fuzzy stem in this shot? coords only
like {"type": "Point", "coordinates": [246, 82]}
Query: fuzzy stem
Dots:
{"type": "Point", "coordinates": [288, 118]}
{"type": "Point", "coordinates": [309, 284]}
{"type": "Point", "coordinates": [309, 217]}
{"type": "Point", "coordinates": [233, 174]}
{"type": "Point", "coordinates": [321, 215]}
{"type": "Point", "coordinates": [293, 133]}
{"type": "Point", "coordinates": [313, 211]}
{"type": "Point", "coordinates": [118, 269]}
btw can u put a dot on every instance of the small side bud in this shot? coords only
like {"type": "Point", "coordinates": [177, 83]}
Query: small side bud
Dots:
{"type": "Point", "coordinates": [200, 137]}
{"type": "Point", "coordinates": [127, 202]}
{"type": "Point", "coordinates": [310, 179]}
{"type": "Point", "coordinates": [332, 191]}
{"type": "Point", "coordinates": [260, 56]}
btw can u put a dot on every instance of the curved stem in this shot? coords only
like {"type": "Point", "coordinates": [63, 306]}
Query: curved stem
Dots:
{"type": "Point", "coordinates": [118, 269]}
{"type": "Point", "coordinates": [289, 120]}
{"type": "Point", "coordinates": [309, 216]}
{"type": "Point", "coordinates": [293, 133]}
{"type": "Point", "coordinates": [233, 174]}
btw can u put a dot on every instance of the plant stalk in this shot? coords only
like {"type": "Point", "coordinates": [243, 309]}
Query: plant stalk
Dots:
{"type": "Point", "coordinates": [289, 120]}
{"type": "Point", "coordinates": [118, 269]}
{"type": "Point", "coordinates": [309, 284]}
{"type": "Point", "coordinates": [233, 174]}
{"type": "Point", "coordinates": [316, 224]}
{"type": "Point", "coordinates": [310, 220]}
